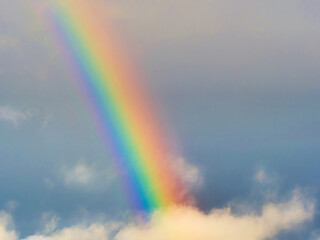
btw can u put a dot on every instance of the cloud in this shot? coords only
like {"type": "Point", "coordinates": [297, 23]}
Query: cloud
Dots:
{"type": "Point", "coordinates": [79, 175]}
{"type": "Point", "coordinates": [85, 177]}
{"type": "Point", "coordinates": [50, 221]}
{"type": "Point", "coordinates": [6, 232]}
{"type": "Point", "coordinates": [93, 232]}
{"type": "Point", "coordinates": [262, 177]}
{"type": "Point", "coordinates": [11, 115]}
{"type": "Point", "coordinates": [188, 223]}
{"type": "Point", "coordinates": [188, 173]}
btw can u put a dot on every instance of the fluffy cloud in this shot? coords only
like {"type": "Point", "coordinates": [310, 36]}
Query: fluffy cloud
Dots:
{"type": "Point", "coordinates": [94, 232]}
{"type": "Point", "coordinates": [5, 232]}
{"type": "Point", "coordinates": [188, 223]}
{"type": "Point", "coordinates": [11, 115]}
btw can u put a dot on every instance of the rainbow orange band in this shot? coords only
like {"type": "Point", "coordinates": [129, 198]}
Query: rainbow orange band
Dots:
{"type": "Point", "coordinates": [124, 111]}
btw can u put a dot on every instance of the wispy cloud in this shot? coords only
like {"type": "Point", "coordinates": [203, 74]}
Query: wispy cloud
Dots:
{"type": "Point", "coordinates": [14, 116]}
{"type": "Point", "coordinates": [263, 177]}
{"type": "Point", "coordinates": [86, 177]}
{"type": "Point", "coordinates": [80, 174]}
{"type": "Point", "coordinates": [188, 172]}
{"type": "Point", "coordinates": [50, 220]}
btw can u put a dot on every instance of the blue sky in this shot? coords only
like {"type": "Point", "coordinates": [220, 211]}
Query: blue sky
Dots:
{"type": "Point", "coordinates": [237, 83]}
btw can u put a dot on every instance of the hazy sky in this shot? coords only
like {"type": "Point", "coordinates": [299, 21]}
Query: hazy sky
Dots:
{"type": "Point", "coordinates": [237, 83]}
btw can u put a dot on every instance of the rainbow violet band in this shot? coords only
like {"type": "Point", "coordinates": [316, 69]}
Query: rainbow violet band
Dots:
{"type": "Point", "coordinates": [127, 122]}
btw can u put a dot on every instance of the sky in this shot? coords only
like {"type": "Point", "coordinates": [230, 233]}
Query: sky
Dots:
{"type": "Point", "coordinates": [236, 84]}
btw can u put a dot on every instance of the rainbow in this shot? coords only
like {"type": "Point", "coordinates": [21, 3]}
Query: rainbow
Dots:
{"type": "Point", "coordinates": [127, 121]}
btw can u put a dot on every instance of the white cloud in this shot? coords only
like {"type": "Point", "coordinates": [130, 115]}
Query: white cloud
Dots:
{"type": "Point", "coordinates": [93, 232]}
{"type": "Point", "coordinates": [11, 115]}
{"type": "Point", "coordinates": [6, 232]}
{"type": "Point", "coordinates": [188, 223]}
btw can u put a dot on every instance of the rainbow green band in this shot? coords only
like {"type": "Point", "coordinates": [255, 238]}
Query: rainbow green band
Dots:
{"type": "Point", "coordinates": [130, 127]}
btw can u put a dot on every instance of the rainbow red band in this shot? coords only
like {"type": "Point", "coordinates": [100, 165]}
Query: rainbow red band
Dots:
{"type": "Point", "coordinates": [129, 125]}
